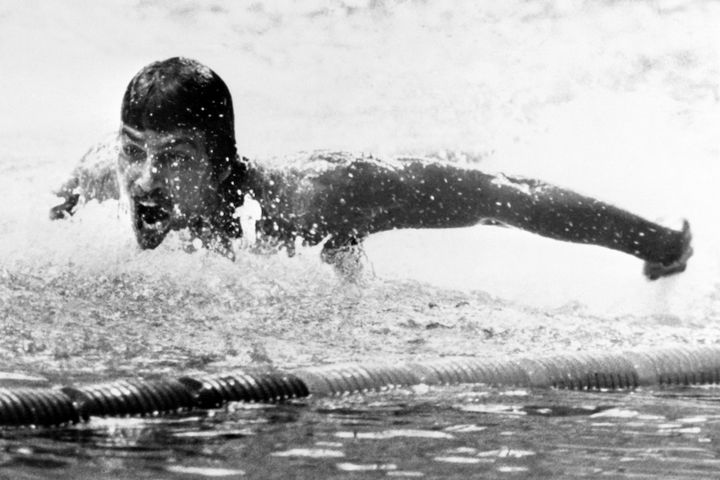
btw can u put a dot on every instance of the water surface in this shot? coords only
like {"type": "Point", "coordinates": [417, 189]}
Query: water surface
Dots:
{"type": "Point", "coordinates": [615, 99]}
{"type": "Point", "coordinates": [438, 433]}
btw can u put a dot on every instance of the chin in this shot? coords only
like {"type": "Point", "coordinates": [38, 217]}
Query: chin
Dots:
{"type": "Point", "coordinates": [149, 236]}
{"type": "Point", "coordinates": [152, 219]}
{"type": "Point", "coordinates": [147, 240]}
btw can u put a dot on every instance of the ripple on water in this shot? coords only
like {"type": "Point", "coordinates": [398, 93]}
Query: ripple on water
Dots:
{"type": "Point", "coordinates": [399, 433]}
{"type": "Point", "coordinates": [465, 428]}
{"type": "Point", "coordinates": [458, 459]}
{"type": "Point", "coordinates": [215, 433]}
{"type": "Point", "coordinates": [309, 453]}
{"type": "Point", "coordinates": [365, 467]}
{"type": "Point", "coordinates": [204, 471]}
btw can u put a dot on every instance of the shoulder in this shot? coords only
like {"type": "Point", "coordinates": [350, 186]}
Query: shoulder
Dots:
{"type": "Point", "coordinates": [342, 169]}
{"type": "Point", "coordinates": [94, 176]}
{"type": "Point", "coordinates": [318, 162]}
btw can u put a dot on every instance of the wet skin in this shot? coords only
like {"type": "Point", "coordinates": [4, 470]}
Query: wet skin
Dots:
{"type": "Point", "coordinates": [171, 185]}
{"type": "Point", "coordinates": [169, 181]}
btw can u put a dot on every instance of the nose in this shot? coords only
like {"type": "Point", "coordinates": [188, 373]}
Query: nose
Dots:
{"type": "Point", "coordinates": [149, 178]}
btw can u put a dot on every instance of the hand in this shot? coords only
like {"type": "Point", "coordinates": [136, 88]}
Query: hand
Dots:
{"type": "Point", "coordinates": [65, 209]}
{"type": "Point", "coordinates": [655, 270]}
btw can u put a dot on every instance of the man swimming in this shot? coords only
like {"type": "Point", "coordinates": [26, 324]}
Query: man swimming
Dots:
{"type": "Point", "coordinates": [179, 168]}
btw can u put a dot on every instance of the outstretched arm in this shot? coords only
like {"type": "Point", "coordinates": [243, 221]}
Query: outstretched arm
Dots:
{"type": "Point", "coordinates": [366, 197]}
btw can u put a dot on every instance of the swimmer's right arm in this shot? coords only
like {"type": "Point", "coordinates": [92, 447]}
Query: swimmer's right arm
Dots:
{"type": "Point", "coordinates": [94, 178]}
{"type": "Point", "coordinates": [70, 199]}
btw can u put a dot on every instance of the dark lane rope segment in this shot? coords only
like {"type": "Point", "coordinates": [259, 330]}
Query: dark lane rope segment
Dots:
{"type": "Point", "coordinates": [131, 397]}
{"type": "Point", "coordinates": [214, 391]}
{"type": "Point", "coordinates": [42, 406]}
{"type": "Point", "coordinates": [34, 406]}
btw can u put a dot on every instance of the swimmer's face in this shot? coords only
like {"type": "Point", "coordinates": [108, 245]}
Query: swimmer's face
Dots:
{"type": "Point", "coordinates": [168, 179]}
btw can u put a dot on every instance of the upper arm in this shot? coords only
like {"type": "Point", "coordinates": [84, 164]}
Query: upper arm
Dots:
{"type": "Point", "coordinates": [368, 195]}
{"type": "Point", "coordinates": [419, 193]}
{"type": "Point", "coordinates": [352, 197]}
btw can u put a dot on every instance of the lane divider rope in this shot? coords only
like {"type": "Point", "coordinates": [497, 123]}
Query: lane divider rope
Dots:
{"type": "Point", "coordinates": [29, 406]}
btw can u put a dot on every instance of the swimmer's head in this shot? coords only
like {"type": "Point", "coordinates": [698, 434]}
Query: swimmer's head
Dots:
{"type": "Point", "coordinates": [177, 148]}
{"type": "Point", "coordinates": [183, 94]}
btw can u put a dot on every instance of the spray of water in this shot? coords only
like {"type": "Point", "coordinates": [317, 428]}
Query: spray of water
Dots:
{"type": "Point", "coordinates": [614, 99]}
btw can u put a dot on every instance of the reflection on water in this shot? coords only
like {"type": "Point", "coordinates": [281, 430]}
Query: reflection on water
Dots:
{"type": "Point", "coordinates": [448, 433]}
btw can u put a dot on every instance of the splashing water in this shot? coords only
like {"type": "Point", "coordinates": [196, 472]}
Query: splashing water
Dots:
{"type": "Point", "coordinates": [614, 99]}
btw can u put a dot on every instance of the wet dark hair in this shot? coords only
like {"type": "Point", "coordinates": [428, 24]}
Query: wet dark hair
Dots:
{"type": "Point", "coordinates": [180, 93]}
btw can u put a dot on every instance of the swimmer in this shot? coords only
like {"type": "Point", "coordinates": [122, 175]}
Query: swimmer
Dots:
{"type": "Point", "coordinates": [178, 167]}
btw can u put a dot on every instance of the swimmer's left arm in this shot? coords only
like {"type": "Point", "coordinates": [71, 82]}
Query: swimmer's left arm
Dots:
{"type": "Point", "coordinates": [368, 195]}
{"type": "Point", "coordinates": [432, 195]}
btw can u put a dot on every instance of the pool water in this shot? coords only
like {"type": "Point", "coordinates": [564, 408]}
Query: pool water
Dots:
{"type": "Point", "coordinates": [618, 100]}
{"type": "Point", "coordinates": [458, 432]}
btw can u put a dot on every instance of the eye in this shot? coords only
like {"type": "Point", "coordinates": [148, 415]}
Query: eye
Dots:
{"type": "Point", "coordinates": [175, 159]}
{"type": "Point", "coordinates": [133, 152]}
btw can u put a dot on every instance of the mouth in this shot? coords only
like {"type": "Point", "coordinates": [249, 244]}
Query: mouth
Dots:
{"type": "Point", "coordinates": [152, 219]}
